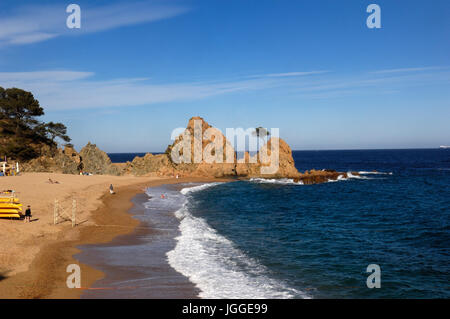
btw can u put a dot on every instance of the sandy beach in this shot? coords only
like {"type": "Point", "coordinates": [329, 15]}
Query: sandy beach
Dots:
{"type": "Point", "coordinates": [34, 256]}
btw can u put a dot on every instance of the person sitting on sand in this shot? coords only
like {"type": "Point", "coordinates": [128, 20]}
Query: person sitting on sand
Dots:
{"type": "Point", "coordinates": [111, 189]}
{"type": "Point", "coordinates": [52, 181]}
{"type": "Point", "coordinates": [28, 214]}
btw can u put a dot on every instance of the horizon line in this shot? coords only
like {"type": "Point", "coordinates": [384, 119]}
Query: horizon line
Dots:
{"type": "Point", "coordinates": [314, 150]}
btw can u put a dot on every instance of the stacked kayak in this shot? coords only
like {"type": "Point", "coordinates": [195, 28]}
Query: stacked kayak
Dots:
{"type": "Point", "coordinates": [10, 206]}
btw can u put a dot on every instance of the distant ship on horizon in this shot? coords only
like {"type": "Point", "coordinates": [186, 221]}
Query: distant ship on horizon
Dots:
{"type": "Point", "coordinates": [444, 146]}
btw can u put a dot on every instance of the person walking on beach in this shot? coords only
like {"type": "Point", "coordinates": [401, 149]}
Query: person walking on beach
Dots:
{"type": "Point", "coordinates": [111, 189]}
{"type": "Point", "coordinates": [28, 214]}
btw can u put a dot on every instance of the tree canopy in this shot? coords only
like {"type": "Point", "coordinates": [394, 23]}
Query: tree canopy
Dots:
{"type": "Point", "coordinates": [261, 132]}
{"type": "Point", "coordinates": [21, 132]}
{"type": "Point", "coordinates": [57, 130]}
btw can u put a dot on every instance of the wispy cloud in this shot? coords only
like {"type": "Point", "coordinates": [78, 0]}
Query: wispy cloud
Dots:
{"type": "Point", "coordinates": [30, 38]}
{"type": "Point", "coordinates": [45, 76]}
{"type": "Point", "coordinates": [39, 23]}
{"type": "Point", "coordinates": [60, 90]}
{"type": "Point", "coordinates": [363, 84]}
{"type": "Point", "coordinates": [403, 70]}
{"type": "Point", "coordinates": [66, 89]}
{"type": "Point", "coordinates": [287, 74]}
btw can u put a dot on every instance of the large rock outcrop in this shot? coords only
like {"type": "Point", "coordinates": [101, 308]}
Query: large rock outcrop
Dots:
{"type": "Point", "coordinates": [67, 161]}
{"type": "Point", "coordinates": [95, 161]}
{"type": "Point", "coordinates": [273, 160]}
{"type": "Point", "coordinates": [70, 152]}
{"type": "Point", "coordinates": [149, 164]}
{"type": "Point", "coordinates": [283, 164]}
{"type": "Point", "coordinates": [58, 161]}
{"type": "Point", "coordinates": [201, 148]}
{"type": "Point", "coordinates": [203, 151]}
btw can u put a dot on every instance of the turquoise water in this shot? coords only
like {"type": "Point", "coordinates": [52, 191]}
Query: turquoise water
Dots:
{"type": "Point", "coordinates": [316, 241]}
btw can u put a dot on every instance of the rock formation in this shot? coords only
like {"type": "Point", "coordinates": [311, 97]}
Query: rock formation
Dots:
{"type": "Point", "coordinates": [286, 164]}
{"type": "Point", "coordinates": [95, 161]}
{"type": "Point", "coordinates": [72, 153]}
{"type": "Point", "coordinates": [60, 161]}
{"type": "Point", "coordinates": [314, 176]}
{"type": "Point", "coordinates": [200, 151]}
{"type": "Point", "coordinates": [207, 153]}
{"type": "Point", "coordinates": [67, 161]}
{"type": "Point", "coordinates": [148, 164]}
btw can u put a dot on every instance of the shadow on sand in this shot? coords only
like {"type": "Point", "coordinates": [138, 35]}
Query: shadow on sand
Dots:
{"type": "Point", "coordinates": [3, 275]}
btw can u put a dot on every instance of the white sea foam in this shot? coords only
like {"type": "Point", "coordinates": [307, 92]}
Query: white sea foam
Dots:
{"type": "Point", "coordinates": [375, 173]}
{"type": "Point", "coordinates": [215, 265]}
{"type": "Point", "coordinates": [349, 176]}
{"type": "Point", "coordinates": [339, 178]}
{"type": "Point", "coordinates": [275, 181]}
{"type": "Point", "coordinates": [187, 190]}
{"type": "Point", "coordinates": [286, 181]}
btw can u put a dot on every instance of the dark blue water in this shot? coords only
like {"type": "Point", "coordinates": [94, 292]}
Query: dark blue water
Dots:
{"type": "Point", "coordinates": [126, 157]}
{"type": "Point", "coordinates": [123, 157]}
{"type": "Point", "coordinates": [319, 239]}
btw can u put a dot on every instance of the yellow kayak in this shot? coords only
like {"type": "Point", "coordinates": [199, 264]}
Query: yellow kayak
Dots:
{"type": "Point", "coordinates": [12, 213]}
{"type": "Point", "coordinates": [5, 209]}
{"type": "Point", "coordinates": [9, 200]}
{"type": "Point", "coordinates": [10, 216]}
{"type": "Point", "coordinates": [10, 205]}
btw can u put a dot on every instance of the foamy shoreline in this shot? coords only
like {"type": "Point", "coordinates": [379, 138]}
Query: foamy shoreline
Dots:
{"type": "Point", "coordinates": [211, 261]}
{"type": "Point", "coordinates": [151, 276]}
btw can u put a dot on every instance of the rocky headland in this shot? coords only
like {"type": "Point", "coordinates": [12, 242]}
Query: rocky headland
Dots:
{"type": "Point", "coordinates": [93, 160]}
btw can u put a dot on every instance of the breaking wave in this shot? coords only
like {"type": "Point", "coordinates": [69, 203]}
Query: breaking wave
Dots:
{"type": "Point", "coordinates": [283, 181]}
{"type": "Point", "coordinates": [215, 265]}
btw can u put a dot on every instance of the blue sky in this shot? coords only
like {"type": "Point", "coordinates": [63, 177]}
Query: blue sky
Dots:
{"type": "Point", "coordinates": [137, 70]}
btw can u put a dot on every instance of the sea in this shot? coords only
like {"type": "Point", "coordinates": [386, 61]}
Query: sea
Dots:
{"type": "Point", "coordinates": [281, 239]}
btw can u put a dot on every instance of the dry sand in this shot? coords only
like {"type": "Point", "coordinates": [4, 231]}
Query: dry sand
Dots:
{"type": "Point", "coordinates": [34, 256]}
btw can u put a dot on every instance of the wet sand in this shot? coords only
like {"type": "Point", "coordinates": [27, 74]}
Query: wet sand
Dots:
{"type": "Point", "coordinates": [135, 265]}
